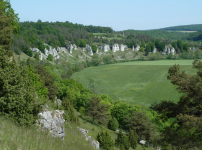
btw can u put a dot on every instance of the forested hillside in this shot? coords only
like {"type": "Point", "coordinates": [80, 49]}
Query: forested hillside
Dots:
{"type": "Point", "coordinates": [159, 34]}
{"type": "Point", "coordinates": [194, 27]}
{"type": "Point", "coordinates": [197, 36]}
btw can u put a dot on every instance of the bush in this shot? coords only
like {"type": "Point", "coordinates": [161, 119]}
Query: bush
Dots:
{"type": "Point", "coordinates": [50, 57]}
{"type": "Point", "coordinates": [69, 108]}
{"type": "Point", "coordinates": [122, 141]}
{"type": "Point", "coordinates": [105, 140]}
{"type": "Point", "coordinates": [18, 97]}
{"type": "Point", "coordinates": [113, 124]}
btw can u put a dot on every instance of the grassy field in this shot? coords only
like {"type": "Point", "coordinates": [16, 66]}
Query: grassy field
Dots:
{"type": "Point", "coordinates": [140, 82]}
{"type": "Point", "coordinates": [14, 137]}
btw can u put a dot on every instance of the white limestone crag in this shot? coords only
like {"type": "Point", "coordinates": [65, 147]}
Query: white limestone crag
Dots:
{"type": "Point", "coordinates": [169, 49]}
{"type": "Point", "coordinates": [95, 144]}
{"type": "Point", "coordinates": [192, 49]}
{"type": "Point", "coordinates": [89, 50]}
{"type": "Point", "coordinates": [53, 122]}
{"type": "Point", "coordinates": [122, 47]}
{"type": "Point", "coordinates": [115, 47]}
{"type": "Point", "coordinates": [105, 48]}
{"type": "Point", "coordinates": [154, 51]}
{"type": "Point", "coordinates": [71, 47]}
{"type": "Point", "coordinates": [35, 49]}
{"type": "Point", "coordinates": [133, 49]}
{"type": "Point", "coordinates": [137, 48]}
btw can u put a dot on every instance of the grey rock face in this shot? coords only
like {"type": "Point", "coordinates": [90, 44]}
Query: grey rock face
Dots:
{"type": "Point", "coordinates": [137, 48]}
{"type": "Point", "coordinates": [115, 47]}
{"type": "Point", "coordinates": [52, 121]}
{"type": "Point", "coordinates": [154, 51]}
{"type": "Point", "coordinates": [95, 144]}
{"type": "Point", "coordinates": [105, 48]}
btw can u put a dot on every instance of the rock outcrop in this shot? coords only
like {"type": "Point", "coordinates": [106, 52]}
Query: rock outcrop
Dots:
{"type": "Point", "coordinates": [95, 144]}
{"type": "Point", "coordinates": [53, 122]}
{"type": "Point", "coordinates": [137, 48]}
{"type": "Point", "coordinates": [105, 48]}
{"type": "Point", "coordinates": [115, 47]}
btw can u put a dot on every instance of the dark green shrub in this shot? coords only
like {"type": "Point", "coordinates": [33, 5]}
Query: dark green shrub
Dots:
{"type": "Point", "coordinates": [105, 140]}
{"type": "Point", "coordinates": [122, 140]}
{"type": "Point", "coordinates": [50, 57]}
{"type": "Point", "coordinates": [69, 109]}
{"type": "Point", "coordinates": [113, 124]}
{"type": "Point", "coordinates": [132, 139]}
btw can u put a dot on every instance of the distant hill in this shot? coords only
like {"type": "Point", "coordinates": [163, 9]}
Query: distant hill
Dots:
{"type": "Point", "coordinates": [159, 34]}
{"type": "Point", "coordinates": [194, 27]}
{"type": "Point", "coordinates": [197, 36]}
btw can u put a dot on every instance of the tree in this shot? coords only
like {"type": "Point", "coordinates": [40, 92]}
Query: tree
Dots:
{"type": "Point", "coordinates": [185, 131]}
{"type": "Point", "coordinates": [36, 56]}
{"type": "Point", "coordinates": [69, 107]}
{"type": "Point", "coordinates": [97, 110]}
{"type": "Point", "coordinates": [12, 17]}
{"type": "Point", "coordinates": [180, 44]}
{"type": "Point", "coordinates": [113, 124]}
{"type": "Point", "coordinates": [122, 141]}
{"type": "Point", "coordinates": [105, 140]}
{"type": "Point", "coordinates": [50, 57]}
{"type": "Point", "coordinates": [76, 42]}
{"type": "Point", "coordinates": [82, 43]}
{"type": "Point", "coordinates": [140, 123]}
{"type": "Point", "coordinates": [132, 139]}
{"type": "Point", "coordinates": [94, 48]}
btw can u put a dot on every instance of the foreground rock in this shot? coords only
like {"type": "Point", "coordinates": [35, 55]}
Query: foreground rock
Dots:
{"type": "Point", "coordinates": [95, 144]}
{"type": "Point", "coordinates": [53, 122]}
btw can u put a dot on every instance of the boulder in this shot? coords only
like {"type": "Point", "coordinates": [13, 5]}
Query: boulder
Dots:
{"type": "Point", "coordinates": [95, 144]}
{"type": "Point", "coordinates": [53, 122]}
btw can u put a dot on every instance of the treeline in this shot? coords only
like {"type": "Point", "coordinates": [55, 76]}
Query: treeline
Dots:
{"type": "Point", "coordinates": [197, 36]}
{"type": "Point", "coordinates": [158, 34]}
{"type": "Point", "coordinates": [196, 27]}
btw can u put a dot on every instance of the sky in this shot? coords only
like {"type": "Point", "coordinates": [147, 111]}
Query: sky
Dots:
{"type": "Point", "coordinates": [117, 14]}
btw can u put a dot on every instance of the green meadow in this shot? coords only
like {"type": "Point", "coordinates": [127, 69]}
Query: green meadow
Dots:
{"type": "Point", "coordinates": [140, 82]}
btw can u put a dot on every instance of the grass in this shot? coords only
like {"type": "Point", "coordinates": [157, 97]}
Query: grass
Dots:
{"type": "Point", "coordinates": [140, 82]}
{"type": "Point", "coordinates": [14, 137]}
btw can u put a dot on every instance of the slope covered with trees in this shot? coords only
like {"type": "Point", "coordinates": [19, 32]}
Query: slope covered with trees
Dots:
{"type": "Point", "coordinates": [194, 27]}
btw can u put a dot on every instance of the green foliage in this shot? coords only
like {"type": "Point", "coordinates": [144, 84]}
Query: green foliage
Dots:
{"type": "Point", "coordinates": [133, 139]}
{"type": "Point", "coordinates": [122, 140]}
{"type": "Point", "coordinates": [94, 48]}
{"type": "Point", "coordinates": [48, 81]}
{"type": "Point", "coordinates": [7, 10]}
{"type": "Point", "coordinates": [149, 48]}
{"type": "Point", "coordinates": [195, 27]}
{"type": "Point", "coordinates": [69, 107]}
{"type": "Point", "coordinates": [36, 56]}
{"type": "Point", "coordinates": [120, 110]}
{"type": "Point", "coordinates": [82, 43]}
{"type": "Point", "coordinates": [50, 57]}
{"type": "Point", "coordinates": [113, 124]}
{"type": "Point", "coordinates": [105, 140]}
{"type": "Point", "coordinates": [18, 94]}
{"type": "Point", "coordinates": [140, 123]}
{"type": "Point", "coordinates": [97, 110]}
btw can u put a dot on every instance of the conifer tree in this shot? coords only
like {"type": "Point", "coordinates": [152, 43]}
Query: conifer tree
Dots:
{"type": "Point", "coordinates": [132, 139]}
{"type": "Point", "coordinates": [105, 140]}
{"type": "Point", "coordinates": [113, 124]}
{"type": "Point", "coordinates": [69, 107]}
{"type": "Point", "coordinates": [122, 140]}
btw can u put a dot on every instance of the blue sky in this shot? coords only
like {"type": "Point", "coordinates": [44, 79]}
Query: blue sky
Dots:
{"type": "Point", "coordinates": [118, 14]}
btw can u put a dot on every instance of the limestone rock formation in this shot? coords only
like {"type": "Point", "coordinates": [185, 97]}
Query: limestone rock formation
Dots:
{"type": "Point", "coordinates": [154, 51]}
{"type": "Point", "coordinates": [137, 48]}
{"type": "Point", "coordinates": [53, 122]}
{"type": "Point", "coordinates": [71, 47]}
{"type": "Point", "coordinates": [89, 50]}
{"type": "Point", "coordinates": [192, 49]}
{"type": "Point", "coordinates": [169, 49]}
{"type": "Point", "coordinates": [115, 47]}
{"type": "Point", "coordinates": [122, 47]}
{"type": "Point", "coordinates": [105, 48]}
{"type": "Point", "coordinates": [95, 144]}
{"type": "Point", "coordinates": [35, 49]}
